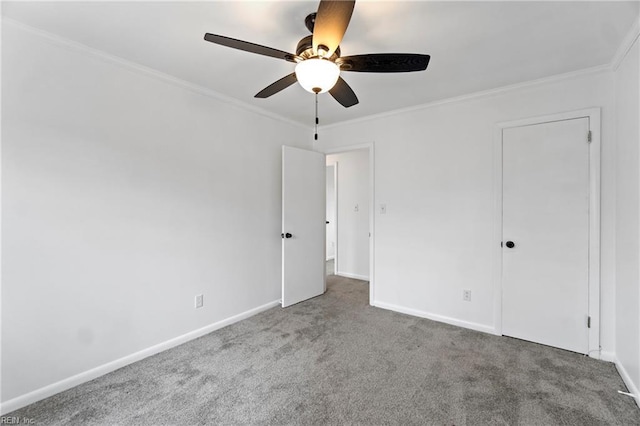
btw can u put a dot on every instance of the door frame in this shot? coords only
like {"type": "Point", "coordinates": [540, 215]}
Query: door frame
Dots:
{"type": "Point", "coordinates": [335, 216]}
{"type": "Point", "coordinates": [593, 114]}
{"type": "Point", "coordinates": [370, 146]}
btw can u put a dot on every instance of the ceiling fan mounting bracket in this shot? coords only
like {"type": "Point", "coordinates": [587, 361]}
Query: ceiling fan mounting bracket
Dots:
{"type": "Point", "coordinates": [310, 21]}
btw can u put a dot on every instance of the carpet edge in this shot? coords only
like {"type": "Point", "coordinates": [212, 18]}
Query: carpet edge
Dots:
{"type": "Point", "coordinates": [633, 389]}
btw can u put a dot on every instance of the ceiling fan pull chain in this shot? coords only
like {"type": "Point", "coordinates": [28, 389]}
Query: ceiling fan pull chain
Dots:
{"type": "Point", "coordinates": [316, 134]}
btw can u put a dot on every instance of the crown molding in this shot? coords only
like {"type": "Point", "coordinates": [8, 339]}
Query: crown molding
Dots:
{"type": "Point", "coordinates": [625, 46]}
{"type": "Point", "coordinates": [476, 95]}
{"type": "Point", "coordinates": [149, 72]}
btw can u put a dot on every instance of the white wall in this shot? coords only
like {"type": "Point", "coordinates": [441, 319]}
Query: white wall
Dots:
{"type": "Point", "coordinates": [353, 213]}
{"type": "Point", "coordinates": [124, 196]}
{"type": "Point", "coordinates": [331, 212]}
{"type": "Point", "coordinates": [434, 169]}
{"type": "Point", "coordinates": [627, 218]}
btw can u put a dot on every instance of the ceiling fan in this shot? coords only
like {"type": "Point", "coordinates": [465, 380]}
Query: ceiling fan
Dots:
{"type": "Point", "coordinates": [318, 56]}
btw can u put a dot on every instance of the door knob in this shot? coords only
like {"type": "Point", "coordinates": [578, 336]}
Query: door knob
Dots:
{"type": "Point", "coordinates": [287, 235]}
{"type": "Point", "coordinates": [510, 244]}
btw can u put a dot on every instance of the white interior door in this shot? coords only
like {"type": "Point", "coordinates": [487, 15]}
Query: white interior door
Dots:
{"type": "Point", "coordinates": [545, 280]}
{"type": "Point", "coordinates": [331, 211]}
{"type": "Point", "coordinates": [303, 225]}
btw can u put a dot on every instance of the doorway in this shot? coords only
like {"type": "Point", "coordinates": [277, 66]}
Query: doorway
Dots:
{"type": "Point", "coordinates": [350, 237]}
{"type": "Point", "coordinates": [549, 230]}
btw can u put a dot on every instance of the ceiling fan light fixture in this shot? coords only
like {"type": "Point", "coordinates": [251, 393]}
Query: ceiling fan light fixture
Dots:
{"type": "Point", "coordinates": [317, 75]}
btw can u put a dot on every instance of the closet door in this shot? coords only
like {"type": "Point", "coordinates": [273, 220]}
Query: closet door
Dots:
{"type": "Point", "coordinates": [545, 277]}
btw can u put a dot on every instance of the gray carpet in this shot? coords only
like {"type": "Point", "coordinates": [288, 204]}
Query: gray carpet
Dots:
{"type": "Point", "coordinates": [336, 360]}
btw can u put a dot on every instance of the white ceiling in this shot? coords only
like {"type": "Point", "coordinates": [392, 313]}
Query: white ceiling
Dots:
{"type": "Point", "coordinates": [474, 46]}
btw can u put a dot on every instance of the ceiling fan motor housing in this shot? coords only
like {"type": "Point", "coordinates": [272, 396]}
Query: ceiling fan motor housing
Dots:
{"type": "Point", "coordinates": [305, 49]}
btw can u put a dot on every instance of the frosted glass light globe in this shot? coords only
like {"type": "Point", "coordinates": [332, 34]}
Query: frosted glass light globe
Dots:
{"type": "Point", "coordinates": [317, 75]}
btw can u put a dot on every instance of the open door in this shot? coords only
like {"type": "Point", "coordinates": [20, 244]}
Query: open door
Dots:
{"type": "Point", "coordinates": [303, 225]}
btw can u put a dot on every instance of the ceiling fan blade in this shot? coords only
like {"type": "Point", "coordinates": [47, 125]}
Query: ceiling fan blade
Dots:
{"type": "Point", "coordinates": [343, 93]}
{"type": "Point", "coordinates": [385, 62]}
{"type": "Point", "coordinates": [249, 47]}
{"type": "Point", "coordinates": [330, 24]}
{"type": "Point", "coordinates": [279, 85]}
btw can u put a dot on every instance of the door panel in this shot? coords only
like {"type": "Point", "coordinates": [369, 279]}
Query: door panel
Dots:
{"type": "Point", "coordinates": [546, 215]}
{"type": "Point", "coordinates": [303, 217]}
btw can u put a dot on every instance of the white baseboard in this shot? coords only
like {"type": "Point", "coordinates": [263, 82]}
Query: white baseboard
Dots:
{"type": "Point", "coordinates": [354, 276]}
{"type": "Point", "coordinates": [435, 317]}
{"type": "Point", "coordinates": [633, 388]}
{"type": "Point", "coordinates": [78, 379]}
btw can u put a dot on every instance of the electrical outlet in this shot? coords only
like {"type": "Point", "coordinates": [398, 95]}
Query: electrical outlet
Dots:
{"type": "Point", "coordinates": [199, 301]}
{"type": "Point", "coordinates": [466, 295]}
{"type": "Point", "coordinates": [357, 208]}
{"type": "Point", "coordinates": [383, 209]}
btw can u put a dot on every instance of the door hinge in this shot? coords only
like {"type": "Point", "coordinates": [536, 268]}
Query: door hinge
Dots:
{"type": "Point", "coordinates": [589, 136]}
{"type": "Point", "coordinates": [588, 322]}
